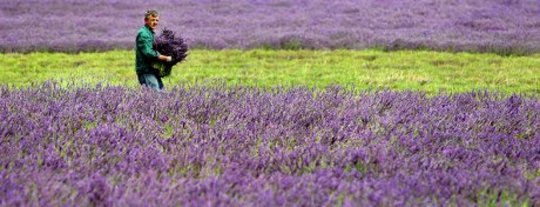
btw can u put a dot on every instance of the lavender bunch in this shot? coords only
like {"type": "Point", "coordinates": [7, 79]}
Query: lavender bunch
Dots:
{"type": "Point", "coordinates": [168, 43]}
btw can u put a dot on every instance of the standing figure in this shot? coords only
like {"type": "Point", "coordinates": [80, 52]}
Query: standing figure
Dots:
{"type": "Point", "coordinates": [146, 55]}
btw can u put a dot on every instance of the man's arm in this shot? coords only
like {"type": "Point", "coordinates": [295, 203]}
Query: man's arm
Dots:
{"type": "Point", "coordinates": [144, 44]}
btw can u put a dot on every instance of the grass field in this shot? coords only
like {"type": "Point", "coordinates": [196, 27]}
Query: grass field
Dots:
{"type": "Point", "coordinates": [428, 71]}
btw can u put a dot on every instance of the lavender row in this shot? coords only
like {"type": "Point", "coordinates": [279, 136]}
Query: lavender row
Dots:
{"type": "Point", "coordinates": [271, 147]}
{"type": "Point", "coordinates": [504, 26]}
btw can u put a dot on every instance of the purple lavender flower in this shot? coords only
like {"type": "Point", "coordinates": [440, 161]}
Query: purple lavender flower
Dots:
{"type": "Point", "coordinates": [266, 147]}
{"type": "Point", "coordinates": [168, 43]}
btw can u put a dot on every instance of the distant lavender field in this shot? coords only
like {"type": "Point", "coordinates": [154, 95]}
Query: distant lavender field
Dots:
{"type": "Point", "coordinates": [252, 147]}
{"type": "Point", "coordinates": [502, 26]}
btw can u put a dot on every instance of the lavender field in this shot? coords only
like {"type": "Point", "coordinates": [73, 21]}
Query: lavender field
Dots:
{"type": "Point", "coordinates": [205, 146]}
{"type": "Point", "coordinates": [460, 129]}
{"type": "Point", "coordinates": [501, 26]}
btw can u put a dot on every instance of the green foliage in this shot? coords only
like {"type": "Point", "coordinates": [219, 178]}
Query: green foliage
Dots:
{"type": "Point", "coordinates": [501, 198]}
{"type": "Point", "coordinates": [428, 71]}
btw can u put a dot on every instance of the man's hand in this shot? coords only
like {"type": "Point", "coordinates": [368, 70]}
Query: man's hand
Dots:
{"type": "Point", "coordinates": [165, 58]}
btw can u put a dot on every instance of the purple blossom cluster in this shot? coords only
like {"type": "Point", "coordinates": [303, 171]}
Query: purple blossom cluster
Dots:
{"type": "Point", "coordinates": [504, 26]}
{"type": "Point", "coordinates": [168, 43]}
{"type": "Point", "coordinates": [212, 146]}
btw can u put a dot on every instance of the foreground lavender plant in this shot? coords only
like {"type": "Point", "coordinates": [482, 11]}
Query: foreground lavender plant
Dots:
{"type": "Point", "coordinates": [241, 146]}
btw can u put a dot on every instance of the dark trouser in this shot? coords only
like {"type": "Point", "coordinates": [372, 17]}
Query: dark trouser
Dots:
{"type": "Point", "coordinates": [150, 80]}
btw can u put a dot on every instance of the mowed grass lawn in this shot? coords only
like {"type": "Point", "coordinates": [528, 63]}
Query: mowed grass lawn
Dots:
{"type": "Point", "coordinates": [428, 71]}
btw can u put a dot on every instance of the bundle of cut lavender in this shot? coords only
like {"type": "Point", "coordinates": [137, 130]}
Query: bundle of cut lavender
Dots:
{"type": "Point", "coordinates": [170, 44]}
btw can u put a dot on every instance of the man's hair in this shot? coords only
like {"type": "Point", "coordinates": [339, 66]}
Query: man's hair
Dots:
{"type": "Point", "coordinates": [149, 13]}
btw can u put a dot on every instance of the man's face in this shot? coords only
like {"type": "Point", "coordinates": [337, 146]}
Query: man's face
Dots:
{"type": "Point", "coordinates": [152, 22]}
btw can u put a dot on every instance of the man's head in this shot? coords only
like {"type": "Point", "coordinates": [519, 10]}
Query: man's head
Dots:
{"type": "Point", "coordinates": [151, 19]}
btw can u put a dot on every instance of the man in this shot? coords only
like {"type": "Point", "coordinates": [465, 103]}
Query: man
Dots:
{"type": "Point", "coordinates": [145, 55]}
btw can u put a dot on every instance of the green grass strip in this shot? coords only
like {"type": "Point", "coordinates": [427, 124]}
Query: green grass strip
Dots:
{"type": "Point", "coordinates": [427, 71]}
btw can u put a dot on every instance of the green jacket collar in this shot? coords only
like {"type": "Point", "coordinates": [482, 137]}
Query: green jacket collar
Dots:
{"type": "Point", "coordinates": [149, 29]}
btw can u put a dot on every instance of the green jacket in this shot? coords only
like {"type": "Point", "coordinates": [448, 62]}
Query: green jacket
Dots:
{"type": "Point", "coordinates": [145, 54]}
